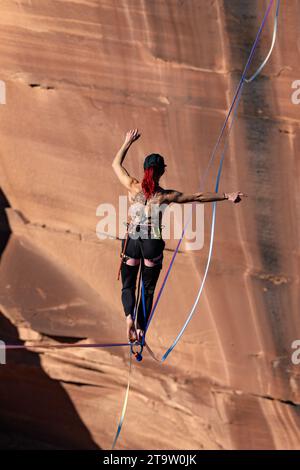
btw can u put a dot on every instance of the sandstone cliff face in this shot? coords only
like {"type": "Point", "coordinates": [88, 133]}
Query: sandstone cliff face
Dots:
{"type": "Point", "coordinates": [78, 74]}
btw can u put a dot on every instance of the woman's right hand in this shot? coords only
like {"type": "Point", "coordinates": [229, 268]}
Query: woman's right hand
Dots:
{"type": "Point", "coordinates": [131, 136]}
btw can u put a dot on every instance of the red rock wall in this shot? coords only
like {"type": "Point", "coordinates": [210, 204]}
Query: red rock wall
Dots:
{"type": "Point", "coordinates": [78, 75]}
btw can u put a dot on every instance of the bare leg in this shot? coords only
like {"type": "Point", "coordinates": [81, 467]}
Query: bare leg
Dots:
{"type": "Point", "coordinates": [139, 335]}
{"type": "Point", "coordinates": [131, 332]}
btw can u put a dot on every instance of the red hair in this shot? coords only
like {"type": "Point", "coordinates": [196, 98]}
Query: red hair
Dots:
{"type": "Point", "coordinates": [149, 185]}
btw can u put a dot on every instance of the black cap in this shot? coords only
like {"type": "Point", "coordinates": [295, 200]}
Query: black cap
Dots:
{"type": "Point", "coordinates": [154, 159]}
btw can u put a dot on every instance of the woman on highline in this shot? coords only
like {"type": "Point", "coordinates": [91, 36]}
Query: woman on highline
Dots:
{"type": "Point", "coordinates": [144, 240]}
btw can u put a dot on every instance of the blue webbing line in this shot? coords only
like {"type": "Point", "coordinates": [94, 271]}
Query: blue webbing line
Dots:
{"type": "Point", "coordinates": [253, 77]}
{"type": "Point", "coordinates": [232, 107]}
{"type": "Point", "coordinates": [138, 296]}
{"type": "Point", "coordinates": [216, 147]}
{"type": "Point", "coordinates": [243, 78]}
{"type": "Point", "coordinates": [144, 311]}
{"type": "Point", "coordinates": [192, 312]}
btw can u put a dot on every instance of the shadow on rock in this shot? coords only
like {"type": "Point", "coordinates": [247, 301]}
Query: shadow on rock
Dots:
{"type": "Point", "coordinates": [4, 225]}
{"type": "Point", "coordinates": [35, 410]}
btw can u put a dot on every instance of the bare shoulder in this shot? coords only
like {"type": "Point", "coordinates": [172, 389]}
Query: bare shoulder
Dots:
{"type": "Point", "coordinates": [166, 196]}
{"type": "Point", "coordinates": [163, 195]}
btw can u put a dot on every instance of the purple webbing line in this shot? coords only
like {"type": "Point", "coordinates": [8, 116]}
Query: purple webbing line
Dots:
{"type": "Point", "coordinates": [213, 153]}
{"type": "Point", "coordinates": [62, 346]}
{"type": "Point", "coordinates": [211, 243]}
{"type": "Point", "coordinates": [237, 92]}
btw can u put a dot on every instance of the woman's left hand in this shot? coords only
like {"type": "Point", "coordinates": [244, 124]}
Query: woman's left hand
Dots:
{"type": "Point", "coordinates": [235, 197]}
{"type": "Point", "coordinates": [131, 136]}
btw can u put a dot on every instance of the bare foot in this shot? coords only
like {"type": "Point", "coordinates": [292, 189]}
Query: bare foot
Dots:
{"type": "Point", "coordinates": [131, 333]}
{"type": "Point", "coordinates": [140, 334]}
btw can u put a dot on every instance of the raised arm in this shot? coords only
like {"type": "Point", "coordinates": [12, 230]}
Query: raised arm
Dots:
{"type": "Point", "coordinates": [117, 164]}
{"type": "Point", "coordinates": [181, 198]}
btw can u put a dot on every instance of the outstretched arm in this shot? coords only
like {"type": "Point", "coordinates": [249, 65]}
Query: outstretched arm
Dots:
{"type": "Point", "coordinates": [117, 164]}
{"type": "Point", "coordinates": [176, 196]}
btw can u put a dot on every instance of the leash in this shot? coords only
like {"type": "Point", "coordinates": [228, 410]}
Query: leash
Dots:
{"type": "Point", "coordinates": [233, 109]}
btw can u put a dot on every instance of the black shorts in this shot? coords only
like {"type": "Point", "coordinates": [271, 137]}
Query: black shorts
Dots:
{"type": "Point", "coordinates": [147, 248]}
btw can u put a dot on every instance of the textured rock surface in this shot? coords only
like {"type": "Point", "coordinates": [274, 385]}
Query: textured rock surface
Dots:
{"type": "Point", "coordinates": [78, 75]}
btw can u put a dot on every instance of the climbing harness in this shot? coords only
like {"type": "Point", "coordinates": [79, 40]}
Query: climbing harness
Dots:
{"type": "Point", "coordinates": [123, 253]}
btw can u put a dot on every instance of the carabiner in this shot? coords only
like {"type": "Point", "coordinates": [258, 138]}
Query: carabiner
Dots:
{"type": "Point", "coordinates": [137, 354]}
